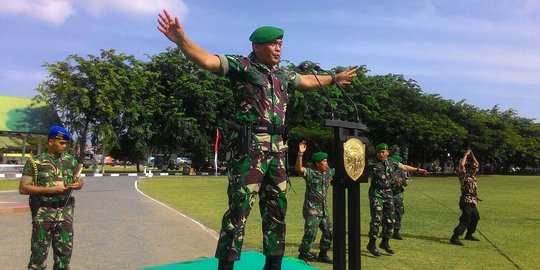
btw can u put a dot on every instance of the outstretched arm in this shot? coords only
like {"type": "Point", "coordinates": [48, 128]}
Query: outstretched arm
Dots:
{"type": "Point", "coordinates": [343, 78]}
{"type": "Point", "coordinates": [301, 149]}
{"type": "Point", "coordinates": [173, 30]}
{"type": "Point", "coordinates": [408, 168]}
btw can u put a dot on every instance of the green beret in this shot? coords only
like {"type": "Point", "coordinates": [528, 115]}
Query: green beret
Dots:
{"type": "Point", "coordinates": [319, 156]}
{"type": "Point", "coordinates": [266, 34]}
{"type": "Point", "coordinates": [396, 158]}
{"type": "Point", "coordinates": [381, 146]}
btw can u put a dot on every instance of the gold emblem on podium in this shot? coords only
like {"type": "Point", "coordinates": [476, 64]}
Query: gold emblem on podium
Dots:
{"type": "Point", "coordinates": [354, 157]}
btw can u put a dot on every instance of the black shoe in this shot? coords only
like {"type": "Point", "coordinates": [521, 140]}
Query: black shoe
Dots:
{"type": "Point", "coordinates": [455, 240]}
{"type": "Point", "coordinates": [273, 263]}
{"type": "Point", "coordinates": [471, 237]}
{"type": "Point", "coordinates": [307, 257]}
{"type": "Point", "coordinates": [323, 257]}
{"type": "Point", "coordinates": [223, 265]}
{"type": "Point", "coordinates": [396, 235]}
{"type": "Point", "coordinates": [373, 248]}
{"type": "Point", "coordinates": [386, 246]}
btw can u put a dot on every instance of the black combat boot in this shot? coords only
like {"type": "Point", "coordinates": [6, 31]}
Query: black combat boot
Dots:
{"type": "Point", "coordinates": [372, 247]}
{"type": "Point", "coordinates": [323, 257]}
{"type": "Point", "coordinates": [396, 235]}
{"type": "Point", "coordinates": [386, 246]}
{"type": "Point", "coordinates": [455, 240]}
{"type": "Point", "coordinates": [471, 237]}
{"type": "Point", "coordinates": [273, 262]}
{"type": "Point", "coordinates": [223, 265]}
{"type": "Point", "coordinates": [307, 257]}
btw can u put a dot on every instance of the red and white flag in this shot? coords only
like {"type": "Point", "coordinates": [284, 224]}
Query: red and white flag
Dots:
{"type": "Point", "coordinates": [216, 151]}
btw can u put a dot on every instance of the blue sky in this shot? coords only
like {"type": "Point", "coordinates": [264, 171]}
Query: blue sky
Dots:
{"type": "Point", "coordinates": [486, 52]}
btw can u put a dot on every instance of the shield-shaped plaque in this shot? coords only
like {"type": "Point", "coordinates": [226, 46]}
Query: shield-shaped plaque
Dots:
{"type": "Point", "coordinates": [354, 157]}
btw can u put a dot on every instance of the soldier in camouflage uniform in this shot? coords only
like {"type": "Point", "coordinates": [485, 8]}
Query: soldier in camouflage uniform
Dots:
{"type": "Point", "coordinates": [257, 163]}
{"type": "Point", "coordinates": [468, 166]}
{"type": "Point", "coordinates": [315, 209]}
{"type": "Point", "coordinates": [381, 198]}
{"type": "Point", "coordinates": [48, 179]}
{"type": "Point", "coordinates": [400, 181]}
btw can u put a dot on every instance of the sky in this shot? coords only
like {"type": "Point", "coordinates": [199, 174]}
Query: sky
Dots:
{"type": "Point", "coordinates": [484, 52]}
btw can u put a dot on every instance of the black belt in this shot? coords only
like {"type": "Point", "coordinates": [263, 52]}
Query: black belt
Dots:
{"type": "Point", "coordinates": [272, 129]}
{"type": "Point", "coordinates": [56, 204]}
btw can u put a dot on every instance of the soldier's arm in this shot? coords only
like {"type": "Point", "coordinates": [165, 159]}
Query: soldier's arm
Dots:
{"type": "Point", "coordinates": [26, 188]}
{"type": "Point", "coordinates": [310, 81]}
{"type": "Point", "coordinates": [408, 168]}
{"type": "Point", "coordinates": [174, 31]}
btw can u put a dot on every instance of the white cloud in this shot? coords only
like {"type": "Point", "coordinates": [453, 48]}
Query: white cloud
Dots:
{"type": "Point", "coordinates": [19, 76]}
{"type": "Point", "coordinates": [52, 11]}
{"type": "Point", "coordinates": [58, 11]}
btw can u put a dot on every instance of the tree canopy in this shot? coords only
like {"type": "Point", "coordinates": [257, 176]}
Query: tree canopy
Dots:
{"type": "Point", "coordinates": [167, 105]}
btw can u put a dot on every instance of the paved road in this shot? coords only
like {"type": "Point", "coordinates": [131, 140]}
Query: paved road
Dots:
{"type": "Point", "coordinates": [116, 227]}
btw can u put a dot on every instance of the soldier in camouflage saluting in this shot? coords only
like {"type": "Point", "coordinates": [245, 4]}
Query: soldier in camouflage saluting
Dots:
{"type": "Point", "coordinates": [257, 162]}
{"type": "Point", "coordinates": [381, 198]}
{"type": "Point", "coordinates": [48, 179]}
{"type": "Point", "coordinates": [315, 209]}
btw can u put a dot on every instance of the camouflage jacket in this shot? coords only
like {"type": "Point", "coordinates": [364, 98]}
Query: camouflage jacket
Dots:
{"type": "Point", "coordinates": [317, 184]}
{"type": "Point", "coordinates": [382, 178]}
{"type": "Point", "coordinates": [260, 95]}
{"type": "Point", "coordinates": [47, 171]}
{"type": "Point", "coordinates": [468, 188]}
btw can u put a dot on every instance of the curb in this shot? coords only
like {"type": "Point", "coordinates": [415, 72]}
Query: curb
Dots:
{"type": "Point", "coordinates": [19, 175]}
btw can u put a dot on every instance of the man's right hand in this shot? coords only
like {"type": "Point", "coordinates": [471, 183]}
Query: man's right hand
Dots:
{"type": "Point", "coordinates": [58, 189]}
{"type": "Point", "coordinates": [302, 147]}
{"type": "Point", "coordinates": [171, 27]}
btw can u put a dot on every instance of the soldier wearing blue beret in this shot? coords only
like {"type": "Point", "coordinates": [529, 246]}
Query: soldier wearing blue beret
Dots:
{"type": "Point", "coordinates": [261, 132]}
{"type": "Point", "coordinates": [48, 179]}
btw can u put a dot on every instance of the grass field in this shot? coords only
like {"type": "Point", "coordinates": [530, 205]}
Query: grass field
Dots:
{"type": "Point", "coordinates": [509, 228]}
{"type": "Point", "coordinates": [9, 184]}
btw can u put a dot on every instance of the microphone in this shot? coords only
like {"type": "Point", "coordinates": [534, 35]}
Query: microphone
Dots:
{"type": "Point", "coordinates": [318, 68]}
{"type": "Point", "coordinates": [304, 66]}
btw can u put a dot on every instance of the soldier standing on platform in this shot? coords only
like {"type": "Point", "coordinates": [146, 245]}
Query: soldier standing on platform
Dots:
{"type": "Point", "coordinates": [257, 156]}
{"type": "Point", "coordinates": [315, 210]}
{"type": "Point", "coordinates": [380, 198]}
{"type": "Point", "coordinates": [48, 179]}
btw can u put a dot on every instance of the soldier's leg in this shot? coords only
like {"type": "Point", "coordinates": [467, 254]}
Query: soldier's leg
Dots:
{"type": "Point", "coordinates": [400, 210]}
{"type": "Point", "coordinates": [62, 241]}
{"type": "Point", "coordinates": [244, 183]}
{"type": "Point", "coordinates": [310, 233]}
{"type": "Point", "coordinates": [273, 207]}
{"type": "Point", "coordinates": [326, 233]}
{"type": "Point", "coordinates": [388, 218]}
{"type": "Point", "coordinates": [475, 216]}
{"type": "Point", "coordinates": [376, 211]}
{"type": "Point", "coordinates": [39, 246]}
{"type": "Point", "coordinates": [464, 219]}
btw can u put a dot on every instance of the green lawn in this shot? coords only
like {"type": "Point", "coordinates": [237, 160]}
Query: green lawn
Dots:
{"type": "Point", "coordinates": [509, 228]}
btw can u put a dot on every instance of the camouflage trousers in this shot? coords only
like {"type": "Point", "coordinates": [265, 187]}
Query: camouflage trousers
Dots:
{"type": "Point", "coordinates": [262, 174]}
{"type": "Point", "coordinates": [310, 233]}
{"type": "Point", "coordinates": [382, 213]}
{"type": "Point", "coordinates": [59, 234]}
{"type": "Point", "coordinates": [399, 211]}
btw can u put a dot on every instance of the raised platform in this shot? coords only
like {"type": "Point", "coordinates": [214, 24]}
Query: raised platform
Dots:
{"type": "Point", "coordinates": [249, 260]}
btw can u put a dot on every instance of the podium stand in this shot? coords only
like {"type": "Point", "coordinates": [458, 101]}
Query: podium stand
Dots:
{"type": "Point", "coordinates": [351, 170]}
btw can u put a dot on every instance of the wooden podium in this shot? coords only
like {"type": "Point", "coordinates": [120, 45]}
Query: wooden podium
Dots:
{"type": "Point", "coordinates": [351, 170]}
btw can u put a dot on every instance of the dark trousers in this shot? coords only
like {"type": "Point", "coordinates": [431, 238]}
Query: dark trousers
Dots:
{"type": "Point", "coordinates": [468, 220]}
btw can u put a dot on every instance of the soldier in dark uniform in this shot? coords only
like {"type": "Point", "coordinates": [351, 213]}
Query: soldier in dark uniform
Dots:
{"type": "Point", "coordinates": [380, 198]}
{"type": "Point", "coordinates": [315, 210]}
{"type": "Point", "coordinates": [257, 163]}
{"type": "Point", "coordinates": [48, 179]}
{"type": "Point", "coordinates": [468, 166]}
